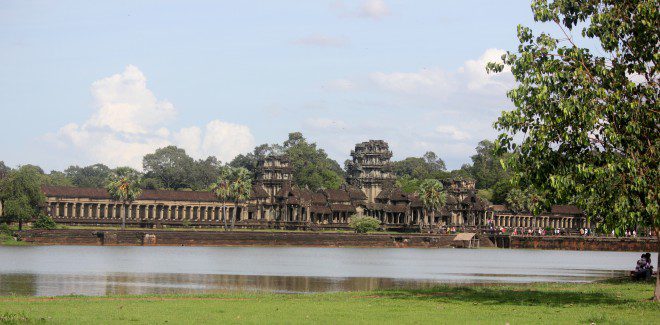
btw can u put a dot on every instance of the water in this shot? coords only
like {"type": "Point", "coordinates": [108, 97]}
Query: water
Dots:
{"type": "Point", "coordinates": [94, 270]}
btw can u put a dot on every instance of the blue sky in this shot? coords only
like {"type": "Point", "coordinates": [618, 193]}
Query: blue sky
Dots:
{"type": "Point", "coordinates": [108, 81]}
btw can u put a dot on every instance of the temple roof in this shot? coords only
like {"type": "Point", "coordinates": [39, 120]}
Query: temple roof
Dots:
{"type": "Point", "coordinates": [356, 193]}
{"type": "Point", "coordinates": [336, 195]}
{"type": "Point", "coordinates": [392, 194]}
{"type": "Point", "coordinates": [565, 209]}
{"type": "Point", "coordinates": [156, 195]}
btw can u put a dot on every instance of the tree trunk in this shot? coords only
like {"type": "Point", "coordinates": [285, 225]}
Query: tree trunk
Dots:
{"type": "Point", "coordinates": [20, 224]}
{"type": "Point", "coordinates": [123, 217]}
{"type": "Point", "coordinates": [224, 215]}
{"type": "Point", "coordinates": [433, 217]}
{"type": "Point", "coordinates": [233, 216]}
{"type": "Point", "coordinates": [656, 296]}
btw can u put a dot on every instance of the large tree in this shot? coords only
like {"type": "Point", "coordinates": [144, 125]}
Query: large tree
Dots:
{"type": "Point", "coordinates": [312, 168]}
{"type": "Point", "coordinates": [4, 170]}
{"type": "Point", "coordinates": [21, 195]}
{"type": "Point", "coordinates": [427, 166]}
{"type": "Point", "coordinates": [124, 186]}
{"type": "Point", "coordinates": [250, 161]}
{"type": "Point", "coordinates": [205, 172]}
{"type": "Point", "coordinates": [486, 167]}
{"type": "Point", "coordinates": [586, 126]}
{"type": "Point", "coordinates": [89, 176]}
{"type": "Point", "coordinates": [171, 165]}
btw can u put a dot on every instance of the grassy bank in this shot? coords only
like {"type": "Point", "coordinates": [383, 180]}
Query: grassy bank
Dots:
{"type": "Point", "coordinates": [8, 240]}
{"type": "Point", "coordinates": [540, 303]}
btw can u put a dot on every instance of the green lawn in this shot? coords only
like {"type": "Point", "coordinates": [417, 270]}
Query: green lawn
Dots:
{"type": "Point", "coordinates": [600, 303]}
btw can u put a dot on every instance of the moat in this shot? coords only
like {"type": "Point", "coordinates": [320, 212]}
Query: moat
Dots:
{"type": "Point", "coordinates": [89, 270]}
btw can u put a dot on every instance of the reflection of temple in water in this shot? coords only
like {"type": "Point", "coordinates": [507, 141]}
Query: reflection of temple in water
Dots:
{"type": "Point", "coordinates": [165, 283]}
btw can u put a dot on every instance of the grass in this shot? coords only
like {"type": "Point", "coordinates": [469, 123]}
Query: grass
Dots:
{"type": "Point", "coordinates": [600, 303]}
{"type": "Point", "coordinates": [8, 240]}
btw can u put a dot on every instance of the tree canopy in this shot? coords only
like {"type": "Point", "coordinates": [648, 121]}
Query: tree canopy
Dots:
{"type": "Point", "coordinates": [89, 176]}
{"type": "Point", "coordinates": [20, 193]}
{"type": "Point", "coordinates": [427, 166]}
{"type": "Point", "coordinates": [585, 127]}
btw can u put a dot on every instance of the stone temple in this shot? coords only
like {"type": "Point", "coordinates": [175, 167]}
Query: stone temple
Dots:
{"type": "Point", "coordinates": [276, 202]}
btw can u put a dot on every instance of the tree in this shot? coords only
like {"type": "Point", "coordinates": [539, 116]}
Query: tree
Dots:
{"type": "Point", "coordinates": [56, 178]}
{"type": "Point", "coordinates": [311, 166]}
{"type": "Point", "coordinates": [434, 162]}
{"type": "Point", "coordinates": [221, 189]}
{"type": "Point", "coordinates": [233, 184]}
{"type": "Point", "coordinates": [251, 160]}
{"type": "Point", "coordinates": [205, 172]}
{"type": "Point", "coordinates": [433, 196]}
{"type": "Point", "coordinates": [585, 127]}
{"type": "Point", "coordinates": [486, 167]}
{"type": "Point", "coordinates": [171, 165]}
{"type": "Point", "coordinates": [363, 225]}
{"type": "Point", "coordinates": [240, 188]}
{"type": "Point", "coordinates": [21, 195]}
{"type": "Point", "coordinates": [124, 186]}
{"type": "Point", "coordinates": [44, 221]}
{"type": "Point", "coordinates": [408, 184]}
{"type": "Point", "coordinates": [4, 170]}
{"type": "Point", "coordinates": [89, 176]}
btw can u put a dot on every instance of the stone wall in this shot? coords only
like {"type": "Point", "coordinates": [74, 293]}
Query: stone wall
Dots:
{"type": "Point", "coordinates": [239, 238]}
{"type": "Point", "coordinates": [585, 243]}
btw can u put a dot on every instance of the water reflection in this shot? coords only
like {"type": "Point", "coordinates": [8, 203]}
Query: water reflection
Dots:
{"type": "Point", "coordinates": [63, 270]}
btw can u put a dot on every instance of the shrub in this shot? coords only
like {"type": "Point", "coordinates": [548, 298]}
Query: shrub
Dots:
{"type": "Point", "coordinates": [363, 225]}
{"type": "Point", "coordinates": [44, 221]}
{"type": "Point", "coordinates": [4, 229]}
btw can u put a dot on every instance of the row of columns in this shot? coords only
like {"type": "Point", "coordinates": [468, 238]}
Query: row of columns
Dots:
{"type": "Point", "coordinates": [531, 221]}
{"type": "Point", "coordinates": [92, 210]}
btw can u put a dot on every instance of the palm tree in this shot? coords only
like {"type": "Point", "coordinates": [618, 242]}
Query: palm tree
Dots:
{"type": "Point", "coordinates": [222, 190]}
{"type": "Point", "coordinates": [432, 195]}
{"type": "Point", "coordinates": [124, 186]}
{"type": "Point", "coordinates": [233, 184]}
{"type": "Point", "coordinates": [241, 188]}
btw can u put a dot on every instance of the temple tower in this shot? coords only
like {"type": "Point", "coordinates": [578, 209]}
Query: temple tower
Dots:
{"type": "Point", "coordinates": [371, 170]}
{"type": "Point", "coordinates": [274, 173]}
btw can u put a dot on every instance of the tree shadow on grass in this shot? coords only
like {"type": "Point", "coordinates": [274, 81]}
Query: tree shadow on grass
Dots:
{"type": "Point", "coordinates": [498, 295]}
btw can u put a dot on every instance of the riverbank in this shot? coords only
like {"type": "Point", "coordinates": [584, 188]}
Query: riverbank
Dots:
{"type": "Point", "coordinates": [153, 237]}
{"type": "Point", "coordinates": [607, 302]}
{"type": "Point", "coordinates": [107, 236]}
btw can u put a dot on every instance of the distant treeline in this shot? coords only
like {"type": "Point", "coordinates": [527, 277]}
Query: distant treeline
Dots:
{"type": "Point", "coordinates": [172, 168]}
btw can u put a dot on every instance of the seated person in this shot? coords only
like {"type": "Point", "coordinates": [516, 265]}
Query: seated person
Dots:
{"type": "Point", "coordinates": [643, 269]}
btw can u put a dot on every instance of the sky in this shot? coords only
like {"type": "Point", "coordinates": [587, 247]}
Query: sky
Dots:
{"type": "Point", "coordinates": [83, 82]}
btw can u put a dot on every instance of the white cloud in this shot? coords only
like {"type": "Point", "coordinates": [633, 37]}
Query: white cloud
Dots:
{"type": "Point", "coordinates": [371, 9]}
{"type": "Point", "coordinates": [124, 104]}
{"type": "Point", "coordinates": [375, 9]}
{"type": "Point", "coordinates": [226, 140]}
{"type": "Point", "coordinates": [453, 132]}
{"type": "Point", "coordinates": [479, 79]}
{"type": "Point", "coordinates": [319, 40]}
{"type": "Point", "coordinates": [129, 122]}
{"type": "Point", "coordinates": [444, 110]}
{"type": "Point", "coordinates": [468, 83]}
{"type": "Point", "coordinates": [432, 82]}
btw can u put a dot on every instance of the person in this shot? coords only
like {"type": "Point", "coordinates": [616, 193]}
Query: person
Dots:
{"type": "Point", "coordinates": [644, 269]}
